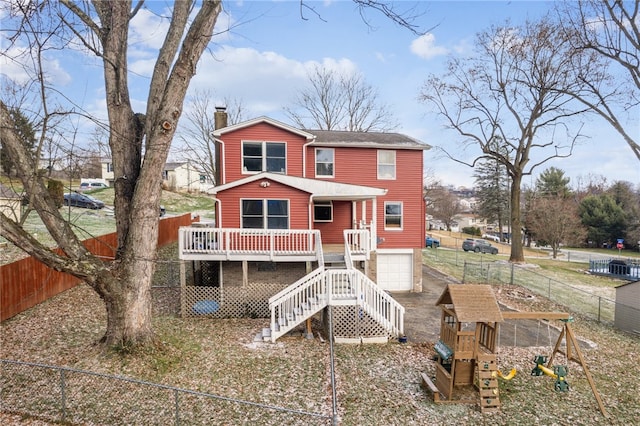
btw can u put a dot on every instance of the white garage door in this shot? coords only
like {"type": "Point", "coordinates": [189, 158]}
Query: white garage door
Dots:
{"type": "Point", "coordinates": [395, 271]}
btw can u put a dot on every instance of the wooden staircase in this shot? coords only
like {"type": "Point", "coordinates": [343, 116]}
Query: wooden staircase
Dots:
{"type": "Point", "coordinates": [487, 382]}
{"type": "Point", "coordinates": [323, 287]}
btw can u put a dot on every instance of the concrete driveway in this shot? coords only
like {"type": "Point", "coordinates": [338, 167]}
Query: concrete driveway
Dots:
{"type": "Point", "coordinates": [422, 316]}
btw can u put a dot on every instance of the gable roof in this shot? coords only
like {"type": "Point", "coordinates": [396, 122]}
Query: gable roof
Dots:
{"type": "Point", "coordinates": [366, 140]}
{"type": "Point", "coordinates": [336, 137]}
{"type": "Point", "coordinates": [472, 302]}
{"type": "Point", "coordinates": [219, 132]}
{"type": "Point", "coordinates": [319, 189]}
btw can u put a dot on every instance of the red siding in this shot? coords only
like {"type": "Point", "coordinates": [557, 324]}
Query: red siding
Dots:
{"type": "Point", "coordinates": [359, 166]}
{"type": "Point", "coordinates": [332, 231]}
{"type": "Point", "coordinates": [356, 166]}
{"type": "Point", "coordinates": [260, 132]}
{"type": "Point", "coordinates": [231, 199]}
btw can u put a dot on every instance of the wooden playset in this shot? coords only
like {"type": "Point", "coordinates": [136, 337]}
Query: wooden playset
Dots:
{"type": "Point", "coordinates": [466, 350]}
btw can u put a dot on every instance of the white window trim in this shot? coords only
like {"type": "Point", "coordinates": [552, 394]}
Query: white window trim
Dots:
{"type": "Point", "coordinates": [265, 215]}
{"type": "Point", "coordinates": [264, 157]}
{"type": "Point", "coordinates": [315, 171]}
{"type": "Point", "coordinates": [323, 203]}
{"type": "Point", "coordinates": [401, 216]}
{"type": "Point", "coordinates": [380, 151]}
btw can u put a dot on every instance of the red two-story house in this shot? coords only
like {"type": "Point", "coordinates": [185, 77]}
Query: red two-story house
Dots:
{"type": "Point", "coordinates": [307, 219]}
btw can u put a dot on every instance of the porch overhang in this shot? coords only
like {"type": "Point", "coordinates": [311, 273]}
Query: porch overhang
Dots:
{"type": "Point", "coordinates": [321, 190]}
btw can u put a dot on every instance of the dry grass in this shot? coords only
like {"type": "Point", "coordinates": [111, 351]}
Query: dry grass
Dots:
{"type": "Point", "coordinates": [376, 384]}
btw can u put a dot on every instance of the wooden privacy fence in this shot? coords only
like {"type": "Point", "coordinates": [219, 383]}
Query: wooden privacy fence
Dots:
{"type": "Point", "coordinates": [27, 282]}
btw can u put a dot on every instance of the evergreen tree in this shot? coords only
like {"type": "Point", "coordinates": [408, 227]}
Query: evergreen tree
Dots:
{"type": "Point", "coordinates": [552, 182]}
{"type": "Point", "coordinates": [604, 218]}
{"type": "Point", "coordinates": [492, 192]}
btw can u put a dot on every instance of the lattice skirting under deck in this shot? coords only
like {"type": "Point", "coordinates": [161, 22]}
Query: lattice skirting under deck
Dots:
{"type": "Point", "coordinates": [351, 322]}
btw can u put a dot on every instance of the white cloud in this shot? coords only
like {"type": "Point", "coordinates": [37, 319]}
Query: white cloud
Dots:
{"type": "Point", "coordinates": [264, 81]}
{"type": "Point", "coordinates": [426, 48]}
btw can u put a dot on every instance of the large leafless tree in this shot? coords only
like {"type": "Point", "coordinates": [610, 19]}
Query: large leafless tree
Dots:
{"type": "Point", "coordinates": [139, 144]}
{"type": "Point", "coordinates": [139, 141]}
{"type": "Point", "coordinates": [611, 30]}
{"type": "Point", "coordinates": [511, 92]}
{"type": "Point", "coordinates": [196, 132]}
{"type": "Point", "coordinates": [338, 100]}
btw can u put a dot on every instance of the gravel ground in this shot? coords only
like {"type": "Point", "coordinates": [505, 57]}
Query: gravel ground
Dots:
{"type": "Point", "coordinates": [376, 384]}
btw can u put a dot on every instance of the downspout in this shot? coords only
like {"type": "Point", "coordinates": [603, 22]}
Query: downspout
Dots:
{"type": "Point", "coordinates": [304, 156]}
{"type": "Point", "coordinates": [223, 174]}
{"type": "Point", "coordinates": [218, 212]}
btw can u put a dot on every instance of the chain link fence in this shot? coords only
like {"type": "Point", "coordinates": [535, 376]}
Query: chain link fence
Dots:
{"type": "Point", "coordinates": [73, 396]}
{"type": "Point", "coordinates": [575, 299]}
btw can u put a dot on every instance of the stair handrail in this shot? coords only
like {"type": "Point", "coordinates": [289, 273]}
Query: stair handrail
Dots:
{"type": "Point", "coordinates": [348, 261]}
{"type": "Point", "coordinates": [380, 305]}
{"type": "Point", "coordinates": [296, 286]}
{"type": "Point", "coordinates": [297, 294]}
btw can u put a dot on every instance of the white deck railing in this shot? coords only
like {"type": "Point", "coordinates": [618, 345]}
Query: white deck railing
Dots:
{"type": "Point", "coordinates": [358, 242]}
{"type": "Point", "coordinates": [203, 243]}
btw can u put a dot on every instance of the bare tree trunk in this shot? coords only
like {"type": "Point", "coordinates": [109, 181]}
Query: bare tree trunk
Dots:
{"type": "Point", "coordinates": [517, 253]}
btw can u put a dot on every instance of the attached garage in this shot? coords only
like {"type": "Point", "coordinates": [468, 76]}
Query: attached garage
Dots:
{"type": "Point", "coordinates": [395, 270]}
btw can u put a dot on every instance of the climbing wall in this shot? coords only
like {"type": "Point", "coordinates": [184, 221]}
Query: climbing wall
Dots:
{"type": "Point", "coordinates": [487, 382]}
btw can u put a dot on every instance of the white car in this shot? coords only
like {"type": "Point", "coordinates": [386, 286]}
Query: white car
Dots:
{"type": "Point", "coordinates": [491, 237]}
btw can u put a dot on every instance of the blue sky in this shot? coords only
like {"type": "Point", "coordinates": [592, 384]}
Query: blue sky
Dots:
{"type": "Point", "coordinates": [264, 49]}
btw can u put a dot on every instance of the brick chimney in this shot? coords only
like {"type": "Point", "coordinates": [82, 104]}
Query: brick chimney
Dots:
{"type": "Point", "coordinates": [220, 117]}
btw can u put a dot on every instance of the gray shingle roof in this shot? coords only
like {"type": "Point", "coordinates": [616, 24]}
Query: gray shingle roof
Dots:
{"type": "Point", "coordinates": [366, 139]}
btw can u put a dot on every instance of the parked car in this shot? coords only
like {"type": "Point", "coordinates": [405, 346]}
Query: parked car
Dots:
{"type": "Point", "coordinates": [88, 186]}
{"type": "Point", "coordinates": [478, 246]}
{"type": "Point", "coordinates": [431, 242]}
{"type": "Point", "coordinates": [493, 238]}
{"type": "Point", "coordinates": [75, 199]}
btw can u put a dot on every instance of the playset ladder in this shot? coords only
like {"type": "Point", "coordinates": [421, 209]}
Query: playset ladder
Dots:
{"type": "Point", "coordinates": [487, 382]}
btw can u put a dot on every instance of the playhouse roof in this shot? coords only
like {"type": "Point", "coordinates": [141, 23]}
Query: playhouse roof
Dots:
{"type": "Point", "coordinates": [472, 302]}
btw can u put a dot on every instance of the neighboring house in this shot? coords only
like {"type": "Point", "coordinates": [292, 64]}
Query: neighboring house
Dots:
{"type": "Point", "coordinates": [185, 176]}
{"type": "Point", "coordinates": [107, 171]}
{"type": "Point", "coordinates": [307, 219]}
{"type": "Point", "coordinates": [471, 219]}
{"type": "Point", "coordinates": [10, 203]}
{"type": "Point", "coordinates": [181, 176]}
{"type": "Point", "coordinates": [627, 313]}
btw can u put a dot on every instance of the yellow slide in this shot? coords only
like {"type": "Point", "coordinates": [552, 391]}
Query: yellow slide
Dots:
{"type": "Point", "coordinates": [509, 376]}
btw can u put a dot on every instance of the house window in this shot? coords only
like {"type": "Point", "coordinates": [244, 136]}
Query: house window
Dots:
{"type": "Point", "coordinates": [203, 178]}
{"type": "Point", "coordinates": [165, 175]}
{"type": "Point", "coordinates": [386, 164]}
{"type": "Point", "coordinates": [392, 215]}
{"type": "Point", "coordinates": [264, 157]}
{"type": "Point", "coordinates": [324, 162]}
{"type": "Point", "coordinates": [323, 211]}
{"type": "Point", "coordinates": [109, 167]}
{"type": "Point", "coordinates": [265, 214]}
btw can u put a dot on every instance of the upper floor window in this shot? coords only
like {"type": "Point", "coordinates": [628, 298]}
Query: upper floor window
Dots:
{"type": "Point", "coordinates": [109, 167]}
{"type": "Point", "coordinates": [392, 215]}
{"type": "Point", "coordinates": [324, 162]}
{"type": "Point", "coordinates": [265, 214]}
{"type": "Point", "coordinates": [323, 211]}
{"type": "Point", "coordinates": [264, 157]}
{"type": "Point", "coordinates": [386, 164]}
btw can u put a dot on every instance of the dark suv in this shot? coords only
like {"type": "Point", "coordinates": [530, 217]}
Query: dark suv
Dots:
{"type": "Point", "coordinates": [478, 246]}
